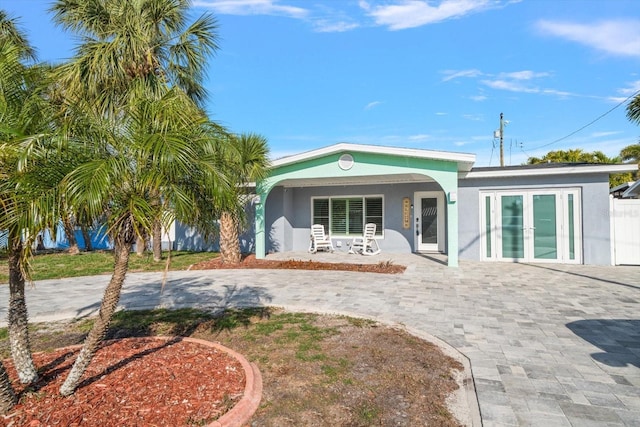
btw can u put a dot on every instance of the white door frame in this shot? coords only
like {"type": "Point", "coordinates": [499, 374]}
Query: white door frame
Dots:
{"type": "Point", "coordinates": [417, 222]}
{"type": "Point", "coordinates": [492, 237]}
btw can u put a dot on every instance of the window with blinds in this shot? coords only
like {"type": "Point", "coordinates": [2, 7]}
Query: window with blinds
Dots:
{"type": "Point", "coordinates": [321, 213]}
{"type": "Point", "coordinates": [347, 216]}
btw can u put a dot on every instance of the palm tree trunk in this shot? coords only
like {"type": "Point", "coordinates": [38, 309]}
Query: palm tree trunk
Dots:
{"type": "Point", "coordinates": [157, 240]}
{"type": "Point", "coordinates": [141, 246]}
{"type": "Point", "coordinates": [122, 248]}
{"type": "Point", "coordinates": [87, 238]}
{"type": "Point", "coordinates": [70, 231]}
{"type": "Point", "coordinates": [17, 318]}
{"type": "Point", "coordinates": [229, 238]}
{"type": "Point", "coordinates": [7, 395]}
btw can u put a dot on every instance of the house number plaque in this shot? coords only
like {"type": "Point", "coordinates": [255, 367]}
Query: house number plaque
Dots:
{"type": "Point", "coordinates": [406, 213]}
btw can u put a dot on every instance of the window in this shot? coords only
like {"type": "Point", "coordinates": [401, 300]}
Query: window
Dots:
{"type": "Point", "coordinates": [347, 215]}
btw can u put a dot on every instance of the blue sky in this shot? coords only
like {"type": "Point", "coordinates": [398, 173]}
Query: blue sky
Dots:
{"type": "Point", "coordinates": [414, 73]}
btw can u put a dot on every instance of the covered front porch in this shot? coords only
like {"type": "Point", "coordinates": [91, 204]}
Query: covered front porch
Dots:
{"type": "Point", "coordinates": [411, 195]}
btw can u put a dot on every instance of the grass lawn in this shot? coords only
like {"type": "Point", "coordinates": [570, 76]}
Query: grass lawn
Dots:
{"type": "Point", "coordinates": [316, 370]}
{"type": "Point", "coordinates": [60, 264]}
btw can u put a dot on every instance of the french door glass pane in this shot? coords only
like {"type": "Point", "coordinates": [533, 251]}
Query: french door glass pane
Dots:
{"type": "Point", "coordinates": [430, 220]}
{"type": "Point", "coordinates": [572, 248]}
{"type": "Point", "coordinates": [545, 242]}
{"type": "Point", "coordinates": [487, 226]}
{"type": "Point", "coordinates": [512, 224]}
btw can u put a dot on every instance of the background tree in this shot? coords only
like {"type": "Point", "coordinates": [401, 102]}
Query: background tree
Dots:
{"type": "Point", "coordinates": [245, 160]}
{"type": "Point", "coordinates": [632, 152]}
{"type": "Point", "coordinates": [578, 155]}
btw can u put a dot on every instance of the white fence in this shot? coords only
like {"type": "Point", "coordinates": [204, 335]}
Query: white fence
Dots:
{"type": "Point", "coordinates": [625, 231]}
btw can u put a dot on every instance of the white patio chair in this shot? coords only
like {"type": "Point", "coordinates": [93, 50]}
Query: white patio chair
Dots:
{"type": "Point", "coordinates": [367, 244]}
{"type": "Point", "coordinates": [319, 240]}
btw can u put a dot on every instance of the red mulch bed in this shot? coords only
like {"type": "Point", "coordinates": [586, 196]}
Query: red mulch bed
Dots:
{"type": "Point", "coordinates": [250, 261]}
{"type": "Point", "coordinates": [132, 382]}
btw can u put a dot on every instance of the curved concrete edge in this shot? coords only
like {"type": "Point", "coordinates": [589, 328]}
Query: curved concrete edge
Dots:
{"type": "Point", "coordinates": [250, 400]}
{"type": "Point", "coordinates": [466, 383]}
{"type": "Point", "coordinates": [242, 411]}
{"type": "Point", "coordinates": [466, 393]}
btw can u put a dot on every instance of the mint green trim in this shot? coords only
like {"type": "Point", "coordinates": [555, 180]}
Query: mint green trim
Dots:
{"type": "Point", "coordinates": [444, 172]}
{"type": "Point", "coordinates": [259, 221]}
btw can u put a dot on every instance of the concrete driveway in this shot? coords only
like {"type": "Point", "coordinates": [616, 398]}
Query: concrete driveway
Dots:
{"type": "Point", "coordinates": [549, 345]}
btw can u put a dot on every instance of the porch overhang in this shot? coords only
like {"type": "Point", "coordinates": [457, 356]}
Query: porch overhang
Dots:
{"type": "Point", "coordinates": [353, 164]}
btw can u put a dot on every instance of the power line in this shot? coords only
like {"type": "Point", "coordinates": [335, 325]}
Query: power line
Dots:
{"type": "Point", "coordinates": [588, 124]}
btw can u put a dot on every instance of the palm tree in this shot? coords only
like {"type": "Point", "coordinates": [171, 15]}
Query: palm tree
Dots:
{"type": "Point", "coordinates": [158, 148]}
{"type": "Point", "coordinates": [633, 109]}
{"type": "Point", "coordinates": [574, 155]}
{"type": "Point", "coordinates": [139, 69]}
{"type": "Point", "coordinates": [246, 161]}
{"type": "Point", "coordinates": [631, 153]}
{"type": "Point", "coordinates": [127, 40]}
{"type": "Point", "coordinates": [20, 117]}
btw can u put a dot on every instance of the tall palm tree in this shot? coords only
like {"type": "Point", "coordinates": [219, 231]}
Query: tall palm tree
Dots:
{"type": "Point", "coordinates": [156, 148]}
{"type": "Point", "coordinates": [246, 161]}
{"type": "Point", "coordinates": [20, 117]}
{"type": "Point", "coordinates": [140, 69]}
{"type": "Point", "coordinates": [127, 40]}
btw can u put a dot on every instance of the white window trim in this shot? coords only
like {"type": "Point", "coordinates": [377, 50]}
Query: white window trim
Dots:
{"type": "Point", "coordinates": [363, 197]}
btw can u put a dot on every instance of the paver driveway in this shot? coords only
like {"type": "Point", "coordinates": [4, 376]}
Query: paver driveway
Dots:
{"type": "Point", "coordinates": [549, 345]}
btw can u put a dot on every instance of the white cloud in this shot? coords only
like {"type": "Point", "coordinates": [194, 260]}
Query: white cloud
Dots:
{"type": "Point", "coordinates": [252, 7]}
{"type": "Point", "coordinates": [522, 75]}
{"type": "Point", "coordinates": [631, 89]}
{"type": "Point", "coordinates": [454, 74]}
{"type": "Point", "coordinates": [478, 98]}
{"type": "Point", "coordinates": [603, 134]}
{"type": "Point", "coordinates": [473, 117]}
{"type": "Point", "coordinates": [371, 105]}
{"type": "Point", "coordinates": [419, 137]}
{"type": "Point", "coordinates": [415, 13]}
{"type": "Point", "coordinates": [621, 37]}
{"type": "Point", "coordinates": [326, 26]}
{"type": "Point", "coordinates": [512, 86]}
{"type": "Point", "coordinates": [440, 113]}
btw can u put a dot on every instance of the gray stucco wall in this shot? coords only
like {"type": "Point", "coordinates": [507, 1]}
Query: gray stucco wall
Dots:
{"type": "Point", "coordinates": [288, 215]}
{"type": "Point", "coordinates": [189, 239]}
{"type": "Point", "coordinates": [594, 207]}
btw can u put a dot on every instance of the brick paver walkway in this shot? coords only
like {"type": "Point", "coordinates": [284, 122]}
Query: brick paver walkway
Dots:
{"type": "Point", "coordinates": [549, 345]}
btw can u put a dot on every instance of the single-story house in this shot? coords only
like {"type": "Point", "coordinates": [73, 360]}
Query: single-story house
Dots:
{"type": "Point", "coordinates": [633, 192]}
{"type": "Point", "coordinates": [436, 201]}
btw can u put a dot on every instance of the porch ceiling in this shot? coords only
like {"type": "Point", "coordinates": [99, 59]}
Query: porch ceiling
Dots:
{"type": "Point", "coordinates": [356, 180]}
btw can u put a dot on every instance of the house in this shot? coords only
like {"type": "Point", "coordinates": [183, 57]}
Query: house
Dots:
{"type": "Point", "coordinates": [618, 191]}
{"type": "Point", "coordinates": [436, 201]}
{"type": "Point", "coordinates": [633, 192]}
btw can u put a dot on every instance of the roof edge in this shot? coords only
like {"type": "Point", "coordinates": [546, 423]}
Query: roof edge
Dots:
{"type": "Point", "coordinates": [465, 160]}
{"type": "Point", "coordinates": [562, 170]}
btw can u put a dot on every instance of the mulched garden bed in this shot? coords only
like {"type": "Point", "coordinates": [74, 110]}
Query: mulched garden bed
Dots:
{"type": "Point", "coordinates": [250, 261]}
{"type": "Point", "coordinates": [131, 382]}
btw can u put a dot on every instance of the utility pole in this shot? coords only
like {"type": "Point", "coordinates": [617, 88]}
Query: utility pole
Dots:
{"type": "Point", "coordinates": [501, 140]}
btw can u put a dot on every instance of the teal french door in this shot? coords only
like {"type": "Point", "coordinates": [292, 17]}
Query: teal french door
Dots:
{"type": "Point", "coordinates": [531, 225]}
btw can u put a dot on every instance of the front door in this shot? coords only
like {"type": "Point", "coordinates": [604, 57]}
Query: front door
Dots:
{"type": "Point", "coordinates": [429, 221]}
